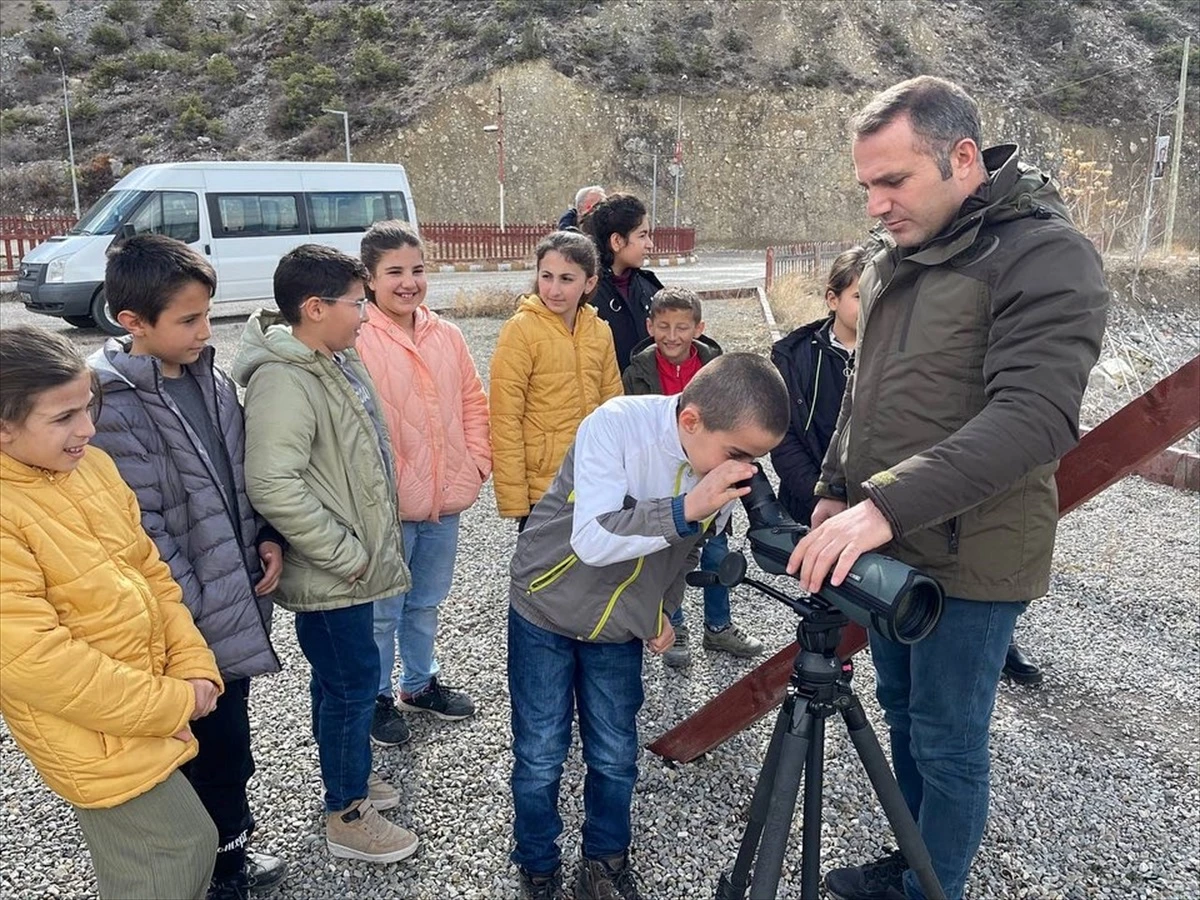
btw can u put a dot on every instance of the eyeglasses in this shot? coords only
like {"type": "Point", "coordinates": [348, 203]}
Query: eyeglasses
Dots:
{"type": "Point", "coordinates": [361, 302]}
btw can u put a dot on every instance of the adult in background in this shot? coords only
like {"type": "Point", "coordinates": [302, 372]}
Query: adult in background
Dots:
{"type": "Point", "coordinates": [982, 314]}
{"type": "Point", "coordinates": [585, 199]}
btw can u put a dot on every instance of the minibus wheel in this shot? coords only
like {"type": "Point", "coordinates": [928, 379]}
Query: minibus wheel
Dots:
{"type": "Point", "coordinates": [80, 321]}
{"type": "Point", "coordinates": [102, 315]}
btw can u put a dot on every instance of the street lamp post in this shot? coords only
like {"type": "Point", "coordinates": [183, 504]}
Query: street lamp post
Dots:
{"type": "Point", "coordinates": [678, 163]}
{"type": "Point", "coordinates": [498, 130]}
{"type": "Point", "coordinates": [70, 143]}
{"type": "Point", "coordinates": [345, 126]}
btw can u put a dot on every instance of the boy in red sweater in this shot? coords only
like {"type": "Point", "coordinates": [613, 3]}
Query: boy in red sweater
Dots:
{"type": "Point", "coordinates": [664, 363]}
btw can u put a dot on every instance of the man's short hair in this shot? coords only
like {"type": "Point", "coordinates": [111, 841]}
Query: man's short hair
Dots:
{"type": "Point", "coordinates": [312, 270]}
{"type": "Point", "coordinates": [736, 389]}
{"type": "Point", "coordinates": [675, 297]}
{"type": "Point", "coordinates": [583, 192]}
{"type": "Point", "coordinates": [941, 113]}
{"type": "Point", "coordinates": [145, 271]}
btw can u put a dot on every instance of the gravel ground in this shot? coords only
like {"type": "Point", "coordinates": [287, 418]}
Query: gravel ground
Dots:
{"type": "Point", "coordinates": [1095, 775]}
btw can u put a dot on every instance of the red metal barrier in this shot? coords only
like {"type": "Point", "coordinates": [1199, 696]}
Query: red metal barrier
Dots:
{"type": "Point", "coordinates": [1137, 432]}
{"type": "Point", "coordinates": [20, 235]}
{"type": "Point", "coordinates": [806, 257]}
{"type": "Point", "coordinates": [445, 241]}
{"type": "Point", "coordinates": [461, 242]}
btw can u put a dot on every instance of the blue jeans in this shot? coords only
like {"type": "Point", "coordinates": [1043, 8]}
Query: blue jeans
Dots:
{"type": "Point", "coordinates": [716, 597]}
{"type": "Point", "coordinates": [548, 676]}
{"type": "Point", "coordinates": [937, 696]}
{"type": "Point", "coordinates": [345, 672]}
{"type": "Point", "coordinates": [429, 550]}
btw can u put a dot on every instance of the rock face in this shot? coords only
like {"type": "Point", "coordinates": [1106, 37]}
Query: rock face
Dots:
{"type": "Point", "coordinates": [758, 90]}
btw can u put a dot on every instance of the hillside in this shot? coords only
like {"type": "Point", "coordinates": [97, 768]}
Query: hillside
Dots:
{"type": "Point", "coordinates": [592, 91]}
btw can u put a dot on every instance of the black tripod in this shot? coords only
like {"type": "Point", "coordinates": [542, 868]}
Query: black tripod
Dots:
{"type": "Point", "coordinates": [817, 690]}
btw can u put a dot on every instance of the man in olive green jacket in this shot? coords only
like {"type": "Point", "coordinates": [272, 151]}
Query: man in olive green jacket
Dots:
{"type": "Point", "coordinates": [319, 469]}
{"type": "Point", "coordinates": [982, 314]}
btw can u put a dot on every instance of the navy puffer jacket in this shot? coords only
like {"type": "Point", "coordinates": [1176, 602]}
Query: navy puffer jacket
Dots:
{"type": "Point", "coordinates": [210, 548]}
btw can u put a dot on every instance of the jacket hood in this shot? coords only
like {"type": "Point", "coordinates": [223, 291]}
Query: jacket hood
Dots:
{"type": "Point", "coordinates": [713, 347]}
{"type": "Point", "coordinates": [268, 338]}
{"type": "Point", "coordinates": [118, 369]}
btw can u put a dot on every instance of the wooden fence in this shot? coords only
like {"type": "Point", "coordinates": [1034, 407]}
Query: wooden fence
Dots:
{"type": "Point", "coordinates": [808, 258]}
{"type": "Point", "coordinates": [445, 241]}
{"type": "Point", "coordinates": [20, 235]}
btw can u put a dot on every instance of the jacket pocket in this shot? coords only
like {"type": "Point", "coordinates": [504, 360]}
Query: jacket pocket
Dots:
{"type": "Point", "coordinates": [616, 595]}
{"type": "Point", "coordinates": [553, 574]}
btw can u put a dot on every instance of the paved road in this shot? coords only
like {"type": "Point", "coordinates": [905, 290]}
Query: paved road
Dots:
{"type": "Point", "coordinates": [714, 270]}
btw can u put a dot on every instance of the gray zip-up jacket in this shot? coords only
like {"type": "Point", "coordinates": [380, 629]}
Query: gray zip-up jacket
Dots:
{"type": "Point", "coordinates": [604, 553]}
{"type": "Point", "coordinates": [209, 544]}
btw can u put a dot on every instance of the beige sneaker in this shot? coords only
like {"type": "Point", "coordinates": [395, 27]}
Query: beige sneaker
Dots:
{"type": "Point", "coordinates": [360, 832]}
{"type": "Point", "coordinates": [383, 795]}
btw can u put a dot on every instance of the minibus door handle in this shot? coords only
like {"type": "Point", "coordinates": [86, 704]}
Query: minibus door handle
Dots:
{"type": "Point", "coordinates": [208, 249]}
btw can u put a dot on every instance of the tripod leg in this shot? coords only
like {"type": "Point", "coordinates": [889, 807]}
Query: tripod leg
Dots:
{"type": "Point", "coordinates": [814, 783]}
{"type": "Point", "coordinates": [733, 885]}
{"type": "Point", "coordinates": [793, 754]}
{"type": "Point", "coordinates": [908, 835]}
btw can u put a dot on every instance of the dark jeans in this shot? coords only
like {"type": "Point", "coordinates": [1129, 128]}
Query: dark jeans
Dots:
{"type": "Point", "coordinates": [716, 596]}
{"type": "Point", "coordinates": [937, 696]}
{"type": "Point", "coordinates": [548, 676]}
{"type": "Point", "coordinates": [339, 644]}
{"type": "Point", "coordinates": [219, 774]}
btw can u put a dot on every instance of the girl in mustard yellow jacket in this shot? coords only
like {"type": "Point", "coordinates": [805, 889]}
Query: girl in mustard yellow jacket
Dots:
{"type": "Point", "coordinates": [101, 667]}
{"type": "Point", "coordinates": [554, 363]}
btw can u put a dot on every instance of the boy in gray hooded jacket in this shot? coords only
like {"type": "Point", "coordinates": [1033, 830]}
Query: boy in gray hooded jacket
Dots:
{"type": "Point", "coordinates": [598, 571]}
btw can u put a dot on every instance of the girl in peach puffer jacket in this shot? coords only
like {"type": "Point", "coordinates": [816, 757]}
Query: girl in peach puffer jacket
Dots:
{"type": "Point", "coordinates": [435, 408]}
{"type": "Point", "coordinates": [101, 666]}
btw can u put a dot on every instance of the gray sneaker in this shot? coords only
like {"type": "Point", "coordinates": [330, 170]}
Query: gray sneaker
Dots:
{"type": "Point", "coordinates": [678, 657]}
{"type": "Point", "coordinates": [732, 640]}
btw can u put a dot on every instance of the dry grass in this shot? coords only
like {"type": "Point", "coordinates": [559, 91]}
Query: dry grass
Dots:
{"type": "Point", "coordinates": [483, 303]}
{"type": "Point", "coordinates": [797, 300]}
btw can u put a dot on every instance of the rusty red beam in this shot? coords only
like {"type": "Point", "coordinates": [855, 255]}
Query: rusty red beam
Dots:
{"type": "Point", "coordinates": [1137, 432]}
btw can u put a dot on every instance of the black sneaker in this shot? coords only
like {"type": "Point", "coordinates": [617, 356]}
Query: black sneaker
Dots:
{"type": "Point", "coordinates": [234, 888]}
{"type": "Point", "coordinates": [882, 879]}
{"type": "Point", "coordinates": [441, 701]}
{"type": "Point", "coordinates": [263, 872]}
{"type": "Point", "coordinates": [542, 887]}
{"type": "Point", "coordinates": [388, 728]}
{"type": "Point", "coordinates": [611, 878]}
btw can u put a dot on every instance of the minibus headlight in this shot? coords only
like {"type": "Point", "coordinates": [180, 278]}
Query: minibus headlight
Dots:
{"type": "Point", "coordinates": [56, 271]}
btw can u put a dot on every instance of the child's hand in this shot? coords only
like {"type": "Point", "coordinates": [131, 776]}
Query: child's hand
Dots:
{"type": "Point", "coordinates": [271, 555]}
{"type": "Point", "coordinates": [206, 697]}
{"type": "Point", "coordinates": [716, 489]}
{"type": "Point", "coordinates": [360, 573]}
{"type": "Point", "coordinates": [185, 735]}
{"type": "Point", "coordinates": [665, 639]}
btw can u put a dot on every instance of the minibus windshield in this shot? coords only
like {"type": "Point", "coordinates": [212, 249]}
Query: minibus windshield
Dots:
{"type": "Point", "coordinates": [106, 214]}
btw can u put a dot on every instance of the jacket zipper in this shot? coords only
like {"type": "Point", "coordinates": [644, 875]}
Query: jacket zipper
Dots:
{"type": "Point", "coordinates": [616, 595]}
{"type": "Point", "coordinates": [954, 535]}
{"type": "Point", "coordinates": [552, 574]}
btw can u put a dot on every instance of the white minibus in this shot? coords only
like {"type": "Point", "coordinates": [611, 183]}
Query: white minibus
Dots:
{"type": "Point", "coordinates": [243, 216]}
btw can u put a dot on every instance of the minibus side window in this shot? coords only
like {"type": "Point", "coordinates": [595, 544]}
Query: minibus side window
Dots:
{"type": "Point", "coordinates": [173, 213]}
{"type": "Point", "coordinates": [346, 210]}
{"type": "Point", "coordinates": [397, 206]}
{"type": "Point", "coordinates": [254, 215]}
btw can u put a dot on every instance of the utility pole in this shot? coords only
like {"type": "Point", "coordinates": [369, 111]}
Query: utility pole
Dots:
{"type": "Point", "coordinates": [678, 162]}
{"type": "Point", "coordinates": [654, 195]}
{"type": "Point", "coordinates": [70, 144]}
{"type": "Point", "coordinates": [1173, 190]}
{"type": "Point", "coordinates": [345, 126]}
{"type": "Point", "coordinates": [498, 128]}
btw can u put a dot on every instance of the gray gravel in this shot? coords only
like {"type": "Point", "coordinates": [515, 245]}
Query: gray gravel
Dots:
{"type": "Point", "coordinates": [1095, 774]}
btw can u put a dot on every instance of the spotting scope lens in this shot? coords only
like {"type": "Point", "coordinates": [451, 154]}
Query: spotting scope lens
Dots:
{"type": "Point", "coordinates": [898, 601]}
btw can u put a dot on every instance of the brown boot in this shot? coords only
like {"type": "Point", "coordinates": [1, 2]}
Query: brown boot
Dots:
{"type": "Point", "coordinates": [360, 832]}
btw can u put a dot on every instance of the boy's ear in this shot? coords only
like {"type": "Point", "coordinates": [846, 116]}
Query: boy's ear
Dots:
{"type": "Point", "coordinates": [132, 322]}
{"type": "Point", "coordinates": [699, 328]}
{"type": "Point", "coordinates": [649, 325]}
{"type": "Point", "coordinates": [312, 309]}
{"type": "Point", "coordinates": [689, 418]}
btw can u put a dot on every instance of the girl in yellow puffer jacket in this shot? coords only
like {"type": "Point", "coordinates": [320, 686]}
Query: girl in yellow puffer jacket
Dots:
{"type": "Point", "coordinates": [554, 363]}
{"type": "Point", "coordinates": [101, 667]}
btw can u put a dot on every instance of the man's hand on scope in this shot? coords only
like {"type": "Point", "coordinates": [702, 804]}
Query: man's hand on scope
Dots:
{"type": "Point", "coordinates": [836, 542]}
{"type": "Point", "coordinates": [718, 487]}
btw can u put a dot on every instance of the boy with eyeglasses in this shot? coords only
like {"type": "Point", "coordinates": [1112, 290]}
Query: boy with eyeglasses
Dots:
{"type": "Point", "coordinates": [319, 467]}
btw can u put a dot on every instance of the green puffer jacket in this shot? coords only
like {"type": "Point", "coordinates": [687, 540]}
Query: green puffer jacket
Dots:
{"type": "Point", "coordinates": [974, 351]}
{"type": "Point", "coordinates": [315, 471]}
